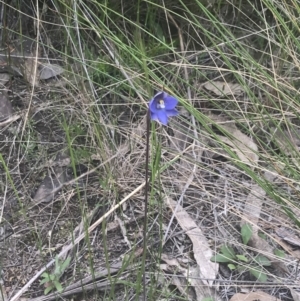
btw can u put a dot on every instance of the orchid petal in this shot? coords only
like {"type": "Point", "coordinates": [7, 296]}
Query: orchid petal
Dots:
{"type": "Point", "coordinates": [154, 116]}
{"type": "Point", "coordinates": [162, 106]}
{"type": "Point", "coordinates": [162, 116]}
{"type": "Point", "coordinates": [170, 102]}
{"type": "Point", "coordinates": [171, 113]}
{"type": "Point", "coordinates": [152, 105]}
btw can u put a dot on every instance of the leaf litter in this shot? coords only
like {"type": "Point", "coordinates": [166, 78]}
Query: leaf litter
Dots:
{"type": "Point", "coordinates": [223, 88]}
{"type": "Point", "coordinates": [202, 275]}
{"type": "Point", "coordinates": [245, 148]}
{"type": "Point", "coordinates": [6, 109]}
{"type": "Point", "coordinates": [208, 193]}
{"type": "Point", "coordinates": [253, 296]}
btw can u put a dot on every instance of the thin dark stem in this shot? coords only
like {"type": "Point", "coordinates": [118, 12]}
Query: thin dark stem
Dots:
{"type": "Point", "coordinates": [146, 205]}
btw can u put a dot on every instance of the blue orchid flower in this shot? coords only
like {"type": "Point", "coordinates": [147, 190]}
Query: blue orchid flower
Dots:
{"type": "Point", "coordinates": [162, 106]}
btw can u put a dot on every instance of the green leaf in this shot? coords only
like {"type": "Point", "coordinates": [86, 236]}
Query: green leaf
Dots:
{"type": "Point", "coordinates": [48, 289]}
{"type": "Point", "coordinates": [52, 277]}
{"type": "Point", "coordinates": [231, 266]}
{"type": "Point", "coordinates": [207, 299]}
{"type": "Point", "coordinates": [65, 264]}
{"type": "Point", "coordinates": [58, 266]}
{"type": "Point", "coordinates": [57, 272]}
{"type": "Point", "coordinates": [220, 258]}
{"type": "Point", "coordinates": [262, 235]}
{"type": "Point", "coordinates": [246, 233]}
{"type": "Point", "coordinates": [58, 286]}
{"type": "Point", "coordinates": [279, 253]}
{"type": "Point", "coordinates": [242, 258]}
{"type": "Point", "coordinates": [242, 268]}
{"type": "Point", "coordinates": [45, 280]}
{"type": "Point", "coordinates": [262, 260]}
{"type": "Point", "coordinates": [228, 252]}
{"type": "Point", "coordinates": [45, 275]}
{"type": "Point", "coordinates": [259, 275]}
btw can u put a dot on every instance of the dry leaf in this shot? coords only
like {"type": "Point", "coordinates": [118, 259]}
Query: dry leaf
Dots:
{"type": "Point", "coordinates": [4, 78]}
{"type": "Point", "coordinates": [51, 185]}
{"type": "Point", "coordinates": [253, 204]}
{"type": "Point", "coordinates": [9, 120]}
{"type": "Point", "coordinates": [3, 295]}
{"type": "Point", "coordinates": [242, 145]}
{"type": "Point", "coordinates": [173, 265]}
{"type": "Point", "coordinates": [295, 294]}
{"type": "Point", "coordinates": [21, 59]}
{"type": "Point", "coordinates": [50, 70]}
{"type": "Point", "coordinates": [287, 140]}
{"type": "Point", "coordinates": [251, 214]}
{"type": "Point", "coordinates": [30, 71]}
{"type": "Point", "coordinates": [5, 106]}
{"type": "Point", "coordinates": [179, 282]}
{"type": "Point", "coordinates": [288, 235]}
{"type": "Point", "coordinates": [221, 88]}
{"type": "Point", "coordinates": [201, 249]}
{"type": "Point", "coordinates": [287, 247]}
{"type": "Point", "coordinates": [182, 286]}
{"type": "Point", "coordinates": [253, 296]}
{"type": "Point", "coordinates": [202, 291]}
{"type": "Point", "coordinates": [192, 279]}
